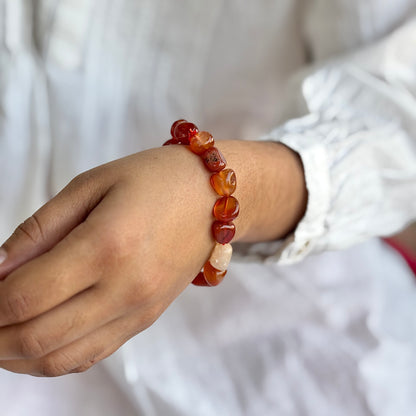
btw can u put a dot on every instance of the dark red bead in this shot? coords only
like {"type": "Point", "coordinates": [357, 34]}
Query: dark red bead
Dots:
{"type": "Point", "coordinates": [200, 280]}
{"type": "Point", "coordinates": [171, 141]}
{"type": "Point", "coordinates": [223, 232]}
{"type": "Point", "coordinates": [213, 160]}
{"type": "Point", "coordinates": [172, 129]}
{"type": "Point", "coordinates": [183, 131]}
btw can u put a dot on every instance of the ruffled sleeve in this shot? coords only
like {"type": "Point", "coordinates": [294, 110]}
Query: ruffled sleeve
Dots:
{"type": "Point", "coordinates": [357, 142]}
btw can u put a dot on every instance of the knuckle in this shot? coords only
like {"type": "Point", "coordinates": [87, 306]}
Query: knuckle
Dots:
{"type": "Point", "coordinates": [32, 229]}
{"type": "Point", "coordinates": [80, 180]}
{"type": "Point", "coordinates": [17, 307]}
{"type": "Point", "coordinates": [85, 366]}
{"type": "Point", "coordinates": [96, 356]}
{"type": "Point", "coordinates": [110, 246]}
{"type": "Point", "coordinates": [55, 366]}
{"type": "Point", "coordinates": [30, 345]}
{"type": "Point", "coordinates": [82, 368]}
{"type": "Point", "coordinates": [84, 180]}
{"type": "Point", "coordinates": [140, 292]}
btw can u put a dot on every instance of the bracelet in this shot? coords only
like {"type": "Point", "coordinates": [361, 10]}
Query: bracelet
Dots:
{"type": "Point", "coordinates": [225, 209]}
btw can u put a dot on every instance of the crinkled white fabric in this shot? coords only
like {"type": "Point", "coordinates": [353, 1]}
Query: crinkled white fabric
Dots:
{"type": "Point", "coordinates": [358, 146]}
{"type": "Point", "coordinates": [85, 81]}
{"type": "Point", "coordinates": [284, 340]}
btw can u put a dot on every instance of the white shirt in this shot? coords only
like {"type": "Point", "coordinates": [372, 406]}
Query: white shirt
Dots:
{"type": "Point", "coordinates": [83, 82]}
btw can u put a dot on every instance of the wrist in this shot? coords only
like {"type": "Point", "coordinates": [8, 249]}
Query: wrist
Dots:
{"type": "Point", "coordinates": [265, 184]}
{"type": "Point", "coordinates": [271, 188]}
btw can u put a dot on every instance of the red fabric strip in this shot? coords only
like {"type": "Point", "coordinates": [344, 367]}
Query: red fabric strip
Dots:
{"type": "Point", "coordinates": [406, 254]}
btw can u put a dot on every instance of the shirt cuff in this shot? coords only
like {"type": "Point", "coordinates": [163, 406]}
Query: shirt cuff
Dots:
{"type": "Point", "coordinates": [302, 241]}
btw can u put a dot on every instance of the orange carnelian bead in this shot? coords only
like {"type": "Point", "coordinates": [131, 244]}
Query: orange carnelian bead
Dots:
{"type": "Point", "coordinates": [226, 209]}
{"type": "Point", "coordinates": [212, 275]}
{"type": "Point", "coordinates": [213, 159]}
{"type": "Point", "coordinates": [183, 131]}
{"type": "Point", "coordinates": [200, 280]}
{"type": "Point", "coordinates": [172, 129]}
{"type": "Point", "coordinates": [223, 232]}
{"type": "Point", "coordinates": [200, 142]}
{"type": "Point", "coordinates": [224, 182]}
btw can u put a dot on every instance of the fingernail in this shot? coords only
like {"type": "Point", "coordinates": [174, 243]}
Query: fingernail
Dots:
{"type": "Point", "coordinates": [3, 255]}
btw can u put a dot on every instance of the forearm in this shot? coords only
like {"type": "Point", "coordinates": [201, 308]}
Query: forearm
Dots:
{"type": "Point", "coordinates": [270, 188]}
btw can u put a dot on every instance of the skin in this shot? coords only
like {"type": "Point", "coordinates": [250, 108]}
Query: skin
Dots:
{"type": "Point", "coordinates": [102, 260]}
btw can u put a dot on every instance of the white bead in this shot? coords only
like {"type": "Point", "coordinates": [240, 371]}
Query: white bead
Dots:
{"type": "Point", "coordinates": [221, 256]}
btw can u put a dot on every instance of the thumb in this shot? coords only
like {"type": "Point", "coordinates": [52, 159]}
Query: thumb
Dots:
{"type": "Point", "coordinates": [52, 222]}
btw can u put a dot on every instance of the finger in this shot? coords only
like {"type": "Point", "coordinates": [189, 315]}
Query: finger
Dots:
{"type": "Point", "coordinates": [52, 222]}
{"type": "Point", "coordinates": [64, 324]}
{"type": "Point", "coordinates": [70, 267]}
{"type": "Point", "coordinates": [83, 353]}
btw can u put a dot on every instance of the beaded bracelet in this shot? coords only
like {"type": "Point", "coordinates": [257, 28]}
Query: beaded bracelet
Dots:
{"type": "Point", "coordinates": [226, 208]}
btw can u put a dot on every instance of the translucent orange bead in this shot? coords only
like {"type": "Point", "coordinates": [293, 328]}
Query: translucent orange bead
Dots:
{"type": "Point", "coordinates": [212, 275]}
{"type": "Point", "coordinates": [223, 232]}
{"type": "Point", "coordinates": [224, 182]}
{"type": "Point", "coordinates": [213, 160]}
{"type": "Point", "coordinates": [200, 142]}
{"type": "Point", "coordinates": [226, 209]}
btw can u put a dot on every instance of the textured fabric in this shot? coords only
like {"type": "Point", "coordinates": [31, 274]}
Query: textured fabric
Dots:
{"type": "Point", "coordinates": [319, 337]}
{"type": "Point", "coordinates": [359, 134]}
{"type": "Point", "coordinates": [85, 81]}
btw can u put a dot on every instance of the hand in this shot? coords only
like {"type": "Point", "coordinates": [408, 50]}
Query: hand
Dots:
{"type": "Point", "coordinates": [103, 259]}
{"type": "Point", "coordinates": [110, 252]}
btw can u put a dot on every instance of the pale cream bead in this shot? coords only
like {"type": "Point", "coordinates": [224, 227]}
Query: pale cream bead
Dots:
{"type": "Point", "coordinates": [221, 256]}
